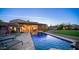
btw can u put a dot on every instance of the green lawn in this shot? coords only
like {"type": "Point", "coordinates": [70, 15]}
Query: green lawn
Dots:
{"type": "Point", "coordinates": [69, 32]}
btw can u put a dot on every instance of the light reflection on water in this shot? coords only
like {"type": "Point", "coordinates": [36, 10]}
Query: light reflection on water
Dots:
{"type": "Point", "coordinates": [43, 42]}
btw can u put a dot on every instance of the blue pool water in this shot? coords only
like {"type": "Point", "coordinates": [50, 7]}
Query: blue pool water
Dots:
{"type": "Point", "coordinates": [44, 41]}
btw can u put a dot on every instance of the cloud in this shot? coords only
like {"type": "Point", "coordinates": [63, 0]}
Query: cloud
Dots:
{"type": "Point", "coordinates": [36, 19]}
{"type": "Point", "coordinates": [31, 18]}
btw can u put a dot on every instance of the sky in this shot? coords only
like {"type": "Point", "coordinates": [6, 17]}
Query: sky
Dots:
{"type": "Point", "coordinates": [50, 16]}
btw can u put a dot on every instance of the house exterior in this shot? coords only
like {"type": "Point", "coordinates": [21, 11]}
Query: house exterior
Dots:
{"type": "Point", "coordinates": [67, 27]}
{"type": "Point", "coordinates": [71, 27]}
{"type": "Point", "coordinates": [27, 26]}
{"type": "Point", "coordinates": [5, 28]}
{"type": "Point", "coordinates": [18, 25]}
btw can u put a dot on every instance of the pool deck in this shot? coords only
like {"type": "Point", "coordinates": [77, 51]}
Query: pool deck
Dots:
{"type": "Point", "coordinates": [27, 41]}
{"type": "Point", "coordinates": [60, 37]}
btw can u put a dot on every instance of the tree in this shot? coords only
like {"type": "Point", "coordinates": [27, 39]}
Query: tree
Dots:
{"type": "Point", "coordinates": [1, 21]}
{"type": "Point", "coordinates": [60, 27]}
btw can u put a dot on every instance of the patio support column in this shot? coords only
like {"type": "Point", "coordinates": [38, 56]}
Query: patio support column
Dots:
{"type": "Point", "coordinates": [18, 28]}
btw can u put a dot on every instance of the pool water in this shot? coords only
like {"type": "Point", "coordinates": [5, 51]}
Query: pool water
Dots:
{"type": "Point", "coordinates": [44, 41]}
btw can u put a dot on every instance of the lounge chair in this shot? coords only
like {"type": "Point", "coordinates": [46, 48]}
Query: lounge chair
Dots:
{"type": "Point", "coordinates": [9, 43]}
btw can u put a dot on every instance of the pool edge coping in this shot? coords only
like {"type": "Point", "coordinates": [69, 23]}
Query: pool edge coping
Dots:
{"type": "Point", "coordinates": [61, 37]}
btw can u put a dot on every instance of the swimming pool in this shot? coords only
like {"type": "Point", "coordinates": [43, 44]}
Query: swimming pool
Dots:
{"type": "Point", "coordinates": [43, 41]}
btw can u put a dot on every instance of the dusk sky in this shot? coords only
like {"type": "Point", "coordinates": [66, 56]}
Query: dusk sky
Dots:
{"type": "Point", "coordinates": [48, 16]}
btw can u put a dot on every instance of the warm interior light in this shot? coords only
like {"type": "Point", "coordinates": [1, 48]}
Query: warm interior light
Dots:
{"type": "Point", "coordinates": [28, 28]}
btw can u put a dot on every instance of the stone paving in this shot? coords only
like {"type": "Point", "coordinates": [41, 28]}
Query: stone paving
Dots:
{"type": "Point", "coordinates": [27, 41]}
